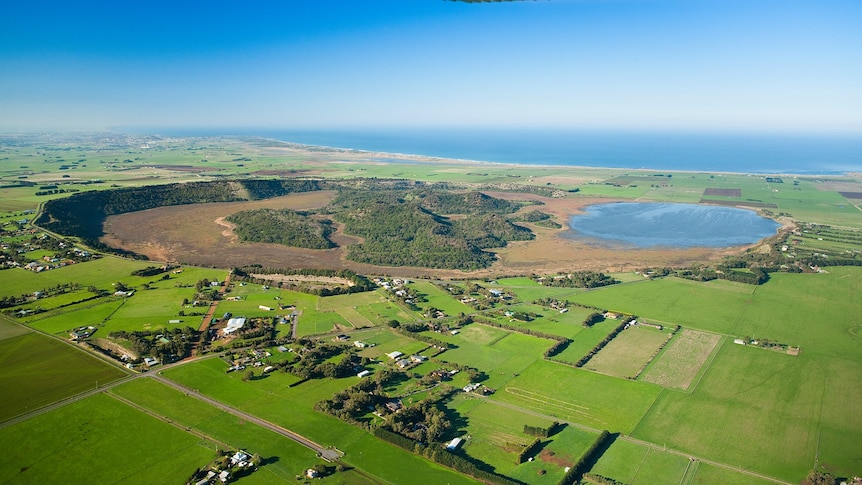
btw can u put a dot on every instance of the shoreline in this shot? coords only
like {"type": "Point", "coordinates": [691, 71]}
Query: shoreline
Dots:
{"type": "Point", "coordinates": [465, 161]}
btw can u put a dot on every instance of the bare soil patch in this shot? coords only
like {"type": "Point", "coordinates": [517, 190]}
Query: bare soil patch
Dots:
{"type": "Point", "coordinates": [551, 457]}
{"type": "Point", "coordinates": [723, 192]}
{"type": "Point", "coordinates": [739, 203]}
{"type": "Point", "coordinates": [298, 278]}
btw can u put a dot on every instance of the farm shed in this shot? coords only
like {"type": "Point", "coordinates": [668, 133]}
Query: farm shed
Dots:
{"type": "Point", "coordinates": [454, 444]}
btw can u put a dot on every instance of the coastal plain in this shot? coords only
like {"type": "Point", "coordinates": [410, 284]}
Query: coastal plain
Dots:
{"type": "Point", "coordinates": [686, 397]}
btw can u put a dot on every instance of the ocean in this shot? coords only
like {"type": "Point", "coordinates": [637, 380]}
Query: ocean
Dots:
{"type": "Point", "coordinates": [744, 153]}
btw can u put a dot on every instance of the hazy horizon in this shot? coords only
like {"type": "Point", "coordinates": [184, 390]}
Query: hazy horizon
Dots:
{"type": "Point", "coordinates": [762, 66]}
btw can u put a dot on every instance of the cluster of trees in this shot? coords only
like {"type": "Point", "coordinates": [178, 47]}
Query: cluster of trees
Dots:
{"type": "Point", "coordinates": [578, 279]}
{"type": "Point", "coordinates": [353, 403]}
{"type": "Point", "coordinates": [283, 226]}
{"type": "Point", "coordinates": [311, 361]}
{"type": "Point", "coordinates": [540, 218]}
{"type": "Point", "coordinates": [423, 421]}
{"type": "Point", "coordinates": [403, 228]}
{"type": "Point", "coordinates": [164, 345]}
{"type": "Point", "coordinates": [56, 191]}
{"type": "Point", "coordinates": [592, 319]}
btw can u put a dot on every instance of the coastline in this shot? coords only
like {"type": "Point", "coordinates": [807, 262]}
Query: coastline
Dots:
{"type": "Point", "coordinates": [421, 158]}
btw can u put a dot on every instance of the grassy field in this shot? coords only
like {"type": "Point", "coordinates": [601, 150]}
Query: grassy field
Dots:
{"type": "Point", "coordinates": [682, 359]}
{"type": "Point", "coordinates": [585, 340]}
{"type": "Point", "coordinates": [501, 354]}
{"type": "Point", "coordinates": [715, 306]}
{"type": "Point", "coordinates": [769, 402]}
{"type": "Point", "coordinates": [100, 273]}
{"type": "Point", "coordinates": [94, 441]}
{"type": "Point", "coordinates": [637, 464]}
{"type": "Point", "coordinates": [439, 299]}
{"type": "Point", "coordinates": [285, 458]}
{"type": "Point", "coordinates": [628, 352]}
{"type": "Point", "coordinates": [587, 398]}
{"type": "Point", "coordinates": [37, 370]}
{"type": "Point", "coordinates": [271, 399]}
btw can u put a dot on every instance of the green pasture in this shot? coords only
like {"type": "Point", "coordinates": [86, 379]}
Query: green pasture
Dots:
{"type": "Point", "coordinates": [60, 321]}
{"type": "Point", "coordinates": [100, 273]}
{"type": "Point", "coordinates": [531, 293]}
{"type": "Point", "coordinates": [390, 464]}
{"type": "Point", "coordinates": [37, 370]}
{"type": "Point", "coordinates": [821, 313]}
{"type": "Point", "coordinates": [585, 340]}
{"type": "Point", "coordinates": [578, 396]}
{"type": "Point", "coordinates": [707, 474]}
{"type": "Point", "coordinates": [385, 341]}
{"type": "Point", "coordinates": [49, 303]}
{"type": "Point", "coordinates": [715, 306]}
{"type": "Point", "coordinates": [91, 441]}
{"type": "Point", "coordinates": [153, 310]}
{"type": "Point", "coordinates": [753, 408]}
{"type": "Point", "coordinates": [636, 464]}
{"type": "Point", "coordinates": [284, 457]}
{"type": "Point", "coordinates": [547, 320]}
{"type": "Point", "coordinates": [292, 408]}
{"type": "Point", "coordinates": [501, 354]}
{"type": "Point", "coordinates": [628, 352]}
{"type": "Point", "coordinates": [493, 434]}
{"type": "Point", "coordinates": [439, 299]}
{"type": "Point", "coordinates": [364, 309]}
{"type": "Point", "coordinates": [515, 282]}
{"type": "Point", "coordinates": [9, 330]}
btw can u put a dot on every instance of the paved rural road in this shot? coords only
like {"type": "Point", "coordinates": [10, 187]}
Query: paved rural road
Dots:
{"type": "Point", "coordinates": [327, 454]}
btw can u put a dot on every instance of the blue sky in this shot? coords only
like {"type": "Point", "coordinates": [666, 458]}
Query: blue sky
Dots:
{"type": "Point", "coordinates": [726, 65]}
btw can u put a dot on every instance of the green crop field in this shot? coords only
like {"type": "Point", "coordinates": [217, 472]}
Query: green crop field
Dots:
{"type": "Point", "coordinates": [37, 370]}
{"type": "Point", "coordinates": [628, 352]}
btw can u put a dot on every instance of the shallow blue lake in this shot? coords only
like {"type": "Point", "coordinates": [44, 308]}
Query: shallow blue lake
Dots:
{"type": "Point", "coordinates": [651, 224]}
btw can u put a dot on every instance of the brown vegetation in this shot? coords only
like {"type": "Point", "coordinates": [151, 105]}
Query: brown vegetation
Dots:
{"type": "Point", "coordinates": [197, 234]}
